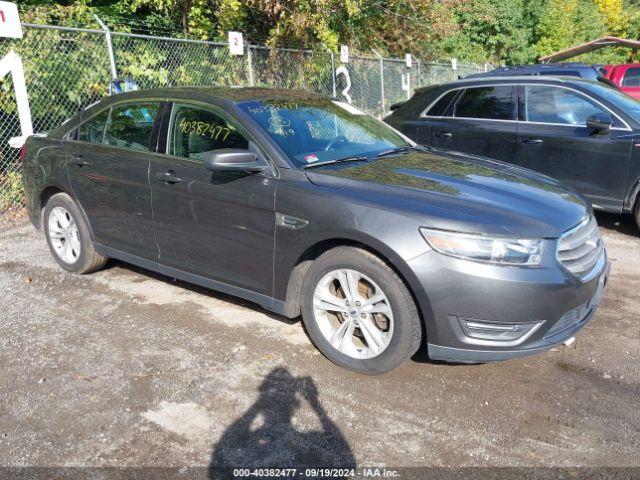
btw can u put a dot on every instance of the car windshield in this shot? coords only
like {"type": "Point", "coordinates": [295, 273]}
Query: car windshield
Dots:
{"type": "Point", "coordinates": [624, 102]}
{"type": "Point", "coordinates": [322, 130]}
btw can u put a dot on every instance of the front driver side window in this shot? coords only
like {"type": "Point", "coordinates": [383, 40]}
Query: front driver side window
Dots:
{"type": "Point", "coordinates": [196, 130]}
{"type": "Point", "coordinates": [546, 104]}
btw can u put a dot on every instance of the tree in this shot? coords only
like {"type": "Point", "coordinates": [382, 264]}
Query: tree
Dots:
{"type": "Point", "coordinates": [196, 16]}
{"type": "Point", "coordinates": [616, 19]}
{"type": "Point", "coordinates": [556, 30]}
{"type": "Point", "coordinates": [491, 29]}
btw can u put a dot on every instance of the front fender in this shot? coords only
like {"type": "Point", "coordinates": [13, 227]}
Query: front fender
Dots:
{"type": "Point", "coordinates": [310, 245]}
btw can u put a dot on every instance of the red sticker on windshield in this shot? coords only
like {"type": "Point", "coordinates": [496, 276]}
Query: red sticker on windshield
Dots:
{"type": "Point", "coordinates": [310, 158]}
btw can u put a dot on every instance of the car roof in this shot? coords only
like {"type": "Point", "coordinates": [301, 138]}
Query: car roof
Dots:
{"type": "Point", "coordinates": [547, 65]}
{"type": "Point", "coordinates": [614, 65]}
{"type": "Point", "coordinates": [233, 94]}
{"type": "Point", "coordinates": [558, 69]}
{"type": "Point", "coordinates": [506, 79]}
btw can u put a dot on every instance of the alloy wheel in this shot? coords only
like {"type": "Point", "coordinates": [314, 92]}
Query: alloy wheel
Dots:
{"type": "Point", "coordinates": [64, 235]}
{"type": "Point", "coordinates": [353, 313]}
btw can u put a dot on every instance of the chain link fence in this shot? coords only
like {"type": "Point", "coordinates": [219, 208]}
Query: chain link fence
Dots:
{"type": "Point", "coordinates": [67, 69]}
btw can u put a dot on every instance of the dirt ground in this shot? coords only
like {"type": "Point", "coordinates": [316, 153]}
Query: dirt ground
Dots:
{"type": "Point", "coordinates": [124, 367]}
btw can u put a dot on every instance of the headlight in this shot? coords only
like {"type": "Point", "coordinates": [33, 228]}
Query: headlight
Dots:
{"type": "Point", "coordinates": [503, 251]}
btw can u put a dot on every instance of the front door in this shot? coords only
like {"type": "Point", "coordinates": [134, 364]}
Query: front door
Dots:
{"type": "Point", "coordinates": [213, 224]}
{"type": "Point", "coordinates": [553, 139]}
{"type": "Point", "coordinates": [480, 121]}
{"type": "Point", "coordinates": [108, 165]}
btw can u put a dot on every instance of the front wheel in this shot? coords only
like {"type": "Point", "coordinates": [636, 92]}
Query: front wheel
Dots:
{"type": "Point", "coordinates": [359, 313]}
{"type": "Point", "coordinates": [68, 236]}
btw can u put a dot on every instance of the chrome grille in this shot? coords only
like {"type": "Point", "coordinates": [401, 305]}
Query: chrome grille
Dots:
{"type": "Point", "coordinates": [581, 248]}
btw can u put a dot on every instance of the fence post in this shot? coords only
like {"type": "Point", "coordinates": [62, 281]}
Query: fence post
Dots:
{"type": "Point", "coordinates": [333, 74]}
{"type": "Point", "coordinates": [250, 65]}
{"type": "Point", "coordinates": [381, 60]}
{"type": "Point", "coordinates": [419, 79]}
{"type": "Point", "coordinates": [107, 37]}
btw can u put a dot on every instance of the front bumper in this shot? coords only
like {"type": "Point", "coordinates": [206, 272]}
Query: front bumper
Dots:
{"type": "Point", "coordinates": [497, 295]}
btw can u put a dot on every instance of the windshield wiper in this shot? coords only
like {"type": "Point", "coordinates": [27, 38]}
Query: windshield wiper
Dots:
{"type": "Point", "coordinates": [404, 149]}
{"type": "Point", "coordinates": [353, 158]}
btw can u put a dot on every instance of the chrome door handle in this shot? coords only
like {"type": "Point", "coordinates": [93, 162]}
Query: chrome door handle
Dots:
{"type": "Point", "coordinates": [168, 177]}
{"type": "Point", "coordinates": [443, 134]}
{"type": "Point", "coordinates": [78, 161]}
{"type": "Point", "coordinates": [532, 141]}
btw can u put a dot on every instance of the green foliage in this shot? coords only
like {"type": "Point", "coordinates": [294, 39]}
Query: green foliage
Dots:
{"type": "Point", "coordinates": [569, 22]}
{"type": "Point", "coordinates": [556, 29]}
{"type": "Point", "coordinates": [11, 190]}
{"type": "Point", "coordinates": [491, 29]}
{"type": "Point", "coordinates": [498, 31]}
{"type": "Point", "coordinates": [614, 16]}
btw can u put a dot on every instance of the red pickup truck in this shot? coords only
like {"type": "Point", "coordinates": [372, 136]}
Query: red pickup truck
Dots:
{"type": "Point", "coordinates": [626, 77]}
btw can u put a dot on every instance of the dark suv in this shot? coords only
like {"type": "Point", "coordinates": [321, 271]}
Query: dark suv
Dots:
{"type": "Point", "coordinates": [583, 133]}
{"type": "Point", "coordinates": [308, 206]}
{"type": "Point", "coordinates": [578, 70]}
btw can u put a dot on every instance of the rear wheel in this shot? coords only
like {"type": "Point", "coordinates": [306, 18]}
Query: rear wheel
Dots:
{"type": "Point", "coordinates": [68, 236]}
{"type": "Point", "coordinates": [636, 212]}
{"type": "Point", "coordinates": [359, 313]}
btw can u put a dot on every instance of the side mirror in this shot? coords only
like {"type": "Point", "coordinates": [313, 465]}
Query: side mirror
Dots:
{"type": "Point", "coordinates": [396, 106]}
{"type": "Point", "coordinates": [233, 160]}
{"type": "Point", "coordinates": [600, 122]}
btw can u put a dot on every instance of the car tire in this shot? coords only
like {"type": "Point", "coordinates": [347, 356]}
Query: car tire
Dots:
{"type": "Point", "coordinates": [68, 236]}
{"type": "Point", "coordinates": [378, 330]}
{"type": "Point", "coordinates": [636, 213]}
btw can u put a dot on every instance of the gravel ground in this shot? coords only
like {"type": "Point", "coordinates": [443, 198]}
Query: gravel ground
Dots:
{"type": "Point", "coordinates": [124, 367]}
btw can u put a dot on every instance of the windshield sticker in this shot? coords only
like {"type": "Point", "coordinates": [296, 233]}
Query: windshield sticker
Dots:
{"type": "Point", "coordinates": [310, 158]}
{"type": "Point", "coordinates": [349, 108]}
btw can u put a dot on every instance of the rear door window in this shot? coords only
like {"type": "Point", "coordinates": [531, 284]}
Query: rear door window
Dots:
{"type": "Point", "coordinates": [196, 130]}
{"type": "Point", "coordinates": [631, 77]}
{"type": "Point", "coordinates": [492, 103]}
{"type": "Point", "coordinates": [130, 125]}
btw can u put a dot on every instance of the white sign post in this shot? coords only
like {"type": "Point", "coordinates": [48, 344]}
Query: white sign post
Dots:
{"type": "Point", "coordinates": [9, 21]}
{"type": "Point", "coordinates": [236, 43]}
{"type": "Point", "coordinates": [408, 60]}
{"type": "Point", "coordinates": [11, 63]}
{"type": "Point", "coordinates": [344, 54]}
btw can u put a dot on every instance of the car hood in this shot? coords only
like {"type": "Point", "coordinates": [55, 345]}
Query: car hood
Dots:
{"type": "Point", "coordinates": [461, 192]}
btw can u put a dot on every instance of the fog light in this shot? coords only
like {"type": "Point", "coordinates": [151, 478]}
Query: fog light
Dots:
{"type": "Point", "coordinates": [499, 333]}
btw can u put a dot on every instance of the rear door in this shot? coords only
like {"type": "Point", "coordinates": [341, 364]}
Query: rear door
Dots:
{"type": "Point", "coordinates": [108, 164]}
{"type": "Point", "coordinates": [553, 139]}
{"type": "Point", "coordinates": [479, 120]}
{"type": "Point", "coordinates": [218, 225]}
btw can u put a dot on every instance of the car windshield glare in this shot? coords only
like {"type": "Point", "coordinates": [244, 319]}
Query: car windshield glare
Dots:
{"type": "Point", "coordinates": [322, 130]}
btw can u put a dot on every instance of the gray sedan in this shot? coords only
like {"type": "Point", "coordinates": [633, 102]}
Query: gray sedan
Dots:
{"type": "Point", "coordinates": [306, 206]}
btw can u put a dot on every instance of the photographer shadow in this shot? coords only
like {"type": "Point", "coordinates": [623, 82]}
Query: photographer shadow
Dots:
{"type": "Point", "coordinates": [264, 436]}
